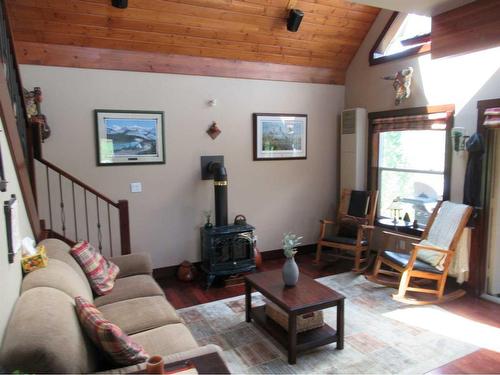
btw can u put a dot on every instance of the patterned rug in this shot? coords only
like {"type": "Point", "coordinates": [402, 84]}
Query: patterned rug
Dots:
{"type": "Point", "coordinates": [378, 337]}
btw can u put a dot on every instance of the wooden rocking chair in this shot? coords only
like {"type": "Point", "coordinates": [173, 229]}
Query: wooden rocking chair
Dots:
{"type": "Point", "coordinates": [429, 259]}
{"type": "Point", "coordinates": [352, 230]}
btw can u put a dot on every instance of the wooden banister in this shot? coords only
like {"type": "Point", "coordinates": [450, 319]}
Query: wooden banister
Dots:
{"type": "Point", "coordinates": [78, 182]}
{"type": "Point", "coordinates": [60, 208]}
{"type": "Point", "coordinates": [124, 226]}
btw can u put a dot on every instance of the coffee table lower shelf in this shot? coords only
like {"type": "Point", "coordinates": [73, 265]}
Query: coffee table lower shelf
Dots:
{"type": "Point", "coordinates": [305, 340]}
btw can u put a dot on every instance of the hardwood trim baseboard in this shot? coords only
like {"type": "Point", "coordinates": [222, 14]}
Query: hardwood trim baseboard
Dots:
{"type": "Point", "coordinates": [170, 271]}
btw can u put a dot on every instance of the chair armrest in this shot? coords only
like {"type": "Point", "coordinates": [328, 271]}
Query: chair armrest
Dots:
{"type": "Point", "coordinates": [367, 227]}
{"type": "Point", "coordinates": [429, 247]}
{"type": "Point", "coordinates": [401, 236]}
{"type": "Point", "coordinates": [171, 358]}
{"type": "Point", "coordinates": [133, 264]}
{"type": "Point", "coordinates": [325, 221]}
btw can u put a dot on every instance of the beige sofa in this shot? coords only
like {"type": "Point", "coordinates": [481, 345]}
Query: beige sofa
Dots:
{"type": "Point", "coordinates": [44, 334]}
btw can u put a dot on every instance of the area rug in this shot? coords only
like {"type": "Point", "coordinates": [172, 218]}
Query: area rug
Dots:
{"type": "Point", "coordinates": [376, 339]}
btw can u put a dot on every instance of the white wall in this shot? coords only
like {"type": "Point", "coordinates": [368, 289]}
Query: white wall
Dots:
{"type": "Point", "coordinates": [460, 80]}
{"type": "Point", "coordinates": [275, 196]}
{"type": "Point", "coordinates": [10, 273]}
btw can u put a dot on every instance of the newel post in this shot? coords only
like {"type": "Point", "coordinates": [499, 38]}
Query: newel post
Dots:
{"type": "Point", "coordinates": [124, 226]}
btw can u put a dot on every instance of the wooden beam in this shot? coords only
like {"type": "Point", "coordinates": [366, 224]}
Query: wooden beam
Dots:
{"type": "Point", "coordinates": [469, 28]}
{"type": "Point", "coordinates": [102, 58]}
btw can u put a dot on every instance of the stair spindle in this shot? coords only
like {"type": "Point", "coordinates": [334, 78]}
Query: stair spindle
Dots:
{"type": "Point", "coordinates": [63, 215]}
{"type": "Point", "coordinates": [99, 233]}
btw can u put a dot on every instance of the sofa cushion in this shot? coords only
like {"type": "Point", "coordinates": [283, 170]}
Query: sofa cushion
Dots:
{"type": "Point", "coordinates": [57, 249]}
{"type": "Point", "coordinates": [130, 287]}
{"type": "Point", "coordinates": [140, 314]}
{"type": "Point", "coordinates": [168, 339]}
{"type": "Point", "coordinates": [44, 335]}
{"type": "Point", "coordinates": [108, 336]}
{"type": "Point", "coordinates": [100, 272]}
{"type": "Point", "coordinates": [133, 264]}
{"type": "Point", "coordinates": [60, 276]}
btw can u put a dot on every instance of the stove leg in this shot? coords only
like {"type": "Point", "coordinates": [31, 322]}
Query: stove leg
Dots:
{"type": "Point", "coordinates": [210, 280]}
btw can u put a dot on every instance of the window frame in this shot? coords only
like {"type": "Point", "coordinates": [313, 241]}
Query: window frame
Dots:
{"type": "Point", "coordinates": [373, 152]}
{"type": "Point", "coordinates": [417, 50]}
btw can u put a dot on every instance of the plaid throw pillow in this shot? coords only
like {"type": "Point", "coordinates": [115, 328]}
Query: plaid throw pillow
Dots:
{"type": "Point", "coordinates": [108, 336]}
{"type": "Point", "coordinates": [100, 272]}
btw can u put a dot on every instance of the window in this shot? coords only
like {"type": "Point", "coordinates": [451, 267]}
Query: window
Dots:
{"type": "Point", "coordinates": [410, 161]}
{"type": "Point", "coordinates": [404, 35]}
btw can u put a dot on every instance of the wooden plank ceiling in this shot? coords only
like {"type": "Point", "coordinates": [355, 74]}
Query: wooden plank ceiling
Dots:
{"type": "Point", "coordinates": [150, 34]}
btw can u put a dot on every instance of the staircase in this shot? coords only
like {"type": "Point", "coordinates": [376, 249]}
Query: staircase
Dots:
{"type": "Point", "coordinates": [71, 210]}
{"type": "Point", "coordinates": [58, 204]}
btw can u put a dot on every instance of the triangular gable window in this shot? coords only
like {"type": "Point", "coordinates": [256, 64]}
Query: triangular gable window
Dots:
{"type": "Point", "coordinates": [404, 35]}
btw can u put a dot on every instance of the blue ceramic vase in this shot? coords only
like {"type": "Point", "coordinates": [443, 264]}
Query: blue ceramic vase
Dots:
{"type": "Point", "coordinates": [290, 272]}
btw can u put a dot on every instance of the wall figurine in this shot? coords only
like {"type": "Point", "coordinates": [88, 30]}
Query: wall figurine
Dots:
{"type": "Point", "coordinates": [32, 100]}
{"type": "Point", "coordinates": [214, 131]}
{"type": "Point", "coordinates": [402, 84]}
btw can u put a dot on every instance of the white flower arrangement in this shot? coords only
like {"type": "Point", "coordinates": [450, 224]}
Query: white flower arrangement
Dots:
{"type": "Point", "coordinates": [290, 242]}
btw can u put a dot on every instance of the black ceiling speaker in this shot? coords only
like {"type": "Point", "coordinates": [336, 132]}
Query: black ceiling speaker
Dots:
{"type": "Point", "coordinates": [120, 3]}
{"type": "Point", "coordinates": [294, 19]}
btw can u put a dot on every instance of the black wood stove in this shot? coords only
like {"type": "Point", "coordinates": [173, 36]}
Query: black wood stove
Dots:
{"type": "Point", "coordinates": [225, 249]}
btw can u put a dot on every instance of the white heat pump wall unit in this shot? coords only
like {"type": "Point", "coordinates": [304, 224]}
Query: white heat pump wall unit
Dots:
{"type": "Point", "coordinates": [353, 149]}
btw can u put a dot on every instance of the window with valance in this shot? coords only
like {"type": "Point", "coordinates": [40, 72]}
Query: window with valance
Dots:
{"type": "Point", "coordinates": [410, 161]}
{"type": "Point", "coordinates": [492, 117]}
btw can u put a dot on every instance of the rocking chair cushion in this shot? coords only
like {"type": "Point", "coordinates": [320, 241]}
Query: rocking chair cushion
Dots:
{"type": "Point", "coordinates": [344, 240]}
{"type": "Point", "coordinates": [401, 259]}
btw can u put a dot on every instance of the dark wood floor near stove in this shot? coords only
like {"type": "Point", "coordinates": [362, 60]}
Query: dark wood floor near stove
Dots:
{"type": "Point", "coordinates": [182, 294]}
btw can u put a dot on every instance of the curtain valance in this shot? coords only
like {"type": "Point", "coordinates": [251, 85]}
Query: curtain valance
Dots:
{"type": "Point", "coordinates": [431, 121]}
{"type": "Point", "coordinates": [492, 117]}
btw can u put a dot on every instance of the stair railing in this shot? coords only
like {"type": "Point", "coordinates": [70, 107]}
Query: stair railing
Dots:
{"type": "Point", "coordinates": [71, 210]}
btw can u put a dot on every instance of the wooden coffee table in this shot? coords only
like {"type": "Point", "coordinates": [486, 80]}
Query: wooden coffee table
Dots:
{"type": "Point", "coordinates": [305, 297]}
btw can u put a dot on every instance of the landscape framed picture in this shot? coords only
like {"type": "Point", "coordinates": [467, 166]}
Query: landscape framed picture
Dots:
{"type": "Point", "coordinates": [129, 137]}
{"type": "Point", "coordinates": [279, 136]}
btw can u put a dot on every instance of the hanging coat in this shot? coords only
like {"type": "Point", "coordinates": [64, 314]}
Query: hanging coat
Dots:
{"type": "Point", "coordinates": [472, 186]}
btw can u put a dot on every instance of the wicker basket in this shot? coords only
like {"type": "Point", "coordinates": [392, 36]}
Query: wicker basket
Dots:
{"type": "Point", "coordinates": [305, 322]}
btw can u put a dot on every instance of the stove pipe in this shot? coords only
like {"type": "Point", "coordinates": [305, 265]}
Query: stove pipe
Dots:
{"type": "Point", "coordinates": [220, 188]}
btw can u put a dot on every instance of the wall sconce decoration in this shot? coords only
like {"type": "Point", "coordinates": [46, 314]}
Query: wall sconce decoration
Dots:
{"type": "Point", "coordinates": [11, 226]}
{"type": "Point", "coordinates": [401, 84]}
{"type": "Point", "coordinates": [459, 138]}
{"type": "Point", "coordinates": [33, 111]}
{"type": "Point", "coordinates": [214, 131]}
{"type": "Point", "coordinates": [3, 182]}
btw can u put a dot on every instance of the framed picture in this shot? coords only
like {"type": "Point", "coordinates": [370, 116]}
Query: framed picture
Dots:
{"type": "Point", "coordinates": [129, 137]}
{"type": "Point", "coordinates": [279, 136]}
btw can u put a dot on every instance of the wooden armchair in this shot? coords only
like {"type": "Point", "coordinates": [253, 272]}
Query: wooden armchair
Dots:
{"type": "Point", "coordinates": [352, 230]}
{"type": "Point", "coordinates": [429, 259]}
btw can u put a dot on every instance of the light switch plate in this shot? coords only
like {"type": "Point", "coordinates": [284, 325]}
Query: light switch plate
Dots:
{"type": "Point", "coordinates": [135, 187]}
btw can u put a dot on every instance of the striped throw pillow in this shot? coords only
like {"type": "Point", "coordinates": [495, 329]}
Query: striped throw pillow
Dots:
{"type": "Point", "coordinates": [100, 272]}
{"type": "Point", "coordinates": [108, 336]}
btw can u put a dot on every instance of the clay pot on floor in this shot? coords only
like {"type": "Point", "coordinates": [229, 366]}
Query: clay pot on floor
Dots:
{"type": "Point", "coordinates": [258, 258]}
{"type": "Point", "coordinates": [186, 271]}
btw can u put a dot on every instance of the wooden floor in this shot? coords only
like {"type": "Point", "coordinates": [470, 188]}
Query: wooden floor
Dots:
{"type": "Point", "coordinates": [182, 294]}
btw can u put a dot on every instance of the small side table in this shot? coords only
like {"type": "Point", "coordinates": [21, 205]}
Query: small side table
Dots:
{"type": "Point", "coordinates": [307, 296]}
{"type": "Point", "coordinates": [396, 226]}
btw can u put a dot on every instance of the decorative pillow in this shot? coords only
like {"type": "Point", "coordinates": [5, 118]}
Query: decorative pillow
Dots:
{"type": "Point", "coordinates": [108, 336]}
{"type": "Point", "coordinates": [100, 272]}
{"type": "Point", "coordinates": [432, 257]}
